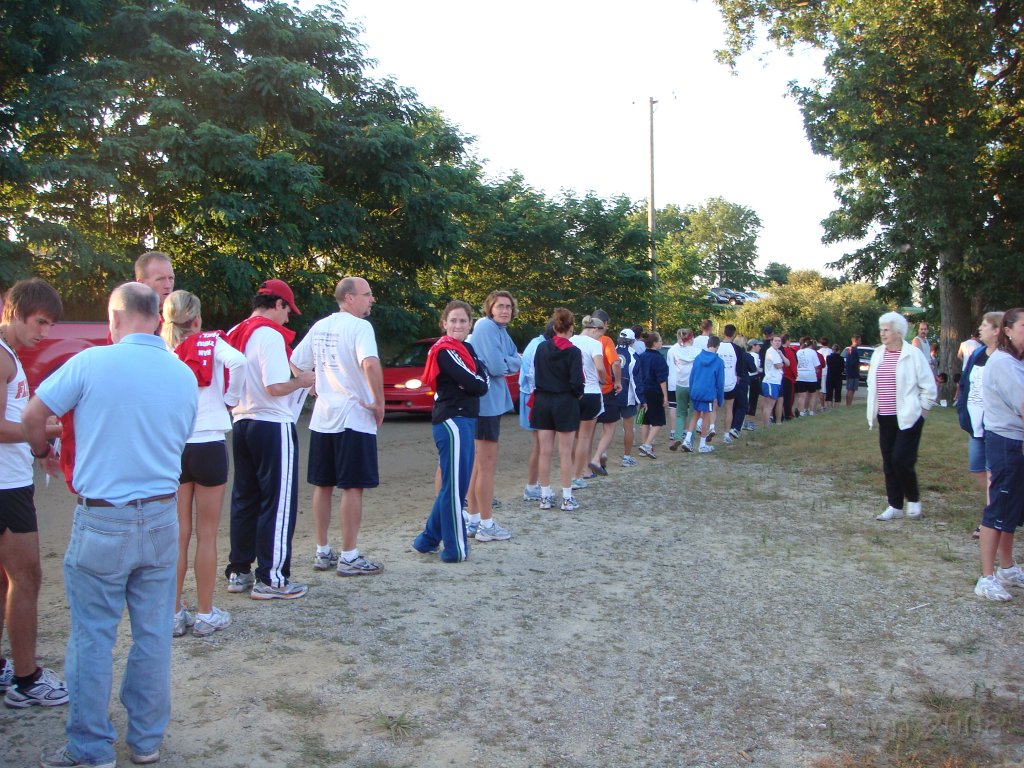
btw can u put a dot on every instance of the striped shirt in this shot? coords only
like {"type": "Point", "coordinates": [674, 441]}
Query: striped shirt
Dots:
{"type": "Point", "coordinates": [885, 382]}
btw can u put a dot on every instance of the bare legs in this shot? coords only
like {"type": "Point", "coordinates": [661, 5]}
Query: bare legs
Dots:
{"type": "Point", "coordinates": [481, 482]}
{"type": "Point", "coordinates": [20, 578]}
{"type": "Point", "coordinates": [351, 514]}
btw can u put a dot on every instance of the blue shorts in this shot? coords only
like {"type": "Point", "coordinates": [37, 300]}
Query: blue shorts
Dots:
{"type": "Point", "coordinates": [346, 459]}
{"type": "Point", "coordinates": [771, 391]}
{"type": "Point", "coordinates": [1005, 509]}
{"type": "Point", "coordinates": [628, 412]}
{"type": "Point", "coordinates": [703, 406]}
{"type": "Point", "coordinates": [852, 383]}
{"type": "Point", "coordinates": [524, 411]}
{"type": "Point", "coordinates": [976, 454]}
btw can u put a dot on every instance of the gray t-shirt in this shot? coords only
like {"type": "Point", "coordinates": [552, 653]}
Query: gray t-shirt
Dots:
{"type": "Point", "coordinates": [1003, 393]}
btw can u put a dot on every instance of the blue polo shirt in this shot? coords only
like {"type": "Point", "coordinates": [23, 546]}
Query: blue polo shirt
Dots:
{"type": "Point", "coordinates": [134, 407]}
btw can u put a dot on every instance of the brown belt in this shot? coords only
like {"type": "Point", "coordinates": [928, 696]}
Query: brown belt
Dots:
{"type": "Point", "coordinates": [133, 503]}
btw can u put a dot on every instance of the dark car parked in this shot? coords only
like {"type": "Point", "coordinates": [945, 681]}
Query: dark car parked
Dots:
{"type": "Point", "coordinates": [728, 294]}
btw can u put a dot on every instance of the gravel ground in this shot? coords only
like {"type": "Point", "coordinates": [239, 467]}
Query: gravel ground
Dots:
{"type": "Point", "coordinates": [686, 615]}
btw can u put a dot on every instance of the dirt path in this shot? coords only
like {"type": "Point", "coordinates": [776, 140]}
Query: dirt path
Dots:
{"type": "Point", "coordinates": [660, 625]}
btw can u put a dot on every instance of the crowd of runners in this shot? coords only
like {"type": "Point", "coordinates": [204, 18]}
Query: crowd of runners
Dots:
{"type": "Point", "coordinates": [141, 499]}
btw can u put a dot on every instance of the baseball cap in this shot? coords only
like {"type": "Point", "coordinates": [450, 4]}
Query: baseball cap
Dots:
{"type": "Point", "coordinates": [755, 343]}
{"type": "Point", "coordinates": [627, 333]}
{"type": "Point", "coordinates": [279, 288]}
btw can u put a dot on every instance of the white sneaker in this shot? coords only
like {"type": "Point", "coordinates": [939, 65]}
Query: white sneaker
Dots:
{"type": "Point", "coordinates": [706, 449]}
{"type": "Point", "coordinates": [989, 588]}
{"type": "Point", "coordinates": [913, 509]}
{"type": "Point", "coordinates": [891, 513]}
{"type": "Point", "coordinates": [207, 625]}
{"type": "Point", "coordinates": [493, 532]}
{"type": "Point", "coordinates": [578, 483]}
{"type": "Point", "coordinates": [1011, 577]}
{"type": "Point", "coordinates": [727, 439]}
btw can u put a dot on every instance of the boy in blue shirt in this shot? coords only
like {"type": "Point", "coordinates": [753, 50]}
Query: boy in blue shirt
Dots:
{"type": "Point", "coordinates": [707, 387]}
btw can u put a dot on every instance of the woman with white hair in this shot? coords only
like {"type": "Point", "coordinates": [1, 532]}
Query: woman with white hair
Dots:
{"type": "Point", "coordinates": [901, 389]}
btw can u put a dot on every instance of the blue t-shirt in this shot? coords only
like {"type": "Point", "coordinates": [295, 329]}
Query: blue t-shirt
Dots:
{"type": "Point", "coordinates": [135, 404]}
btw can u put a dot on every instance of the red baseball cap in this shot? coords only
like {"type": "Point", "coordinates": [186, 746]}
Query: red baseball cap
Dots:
{"type": "Point", "coordinates": [279, 288]}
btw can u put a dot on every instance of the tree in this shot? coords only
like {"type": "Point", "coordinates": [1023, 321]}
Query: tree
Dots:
{"type": "Point", "coordinates": [724, 237]}
{"type": "Point", "coordinates": [243, 138]}
{"type": "Point", "coordinates": [776, 272]}
{"type": "Point", "coordinates": [679, 302]}
{"type": "Point", "coordinates": [920, 106]}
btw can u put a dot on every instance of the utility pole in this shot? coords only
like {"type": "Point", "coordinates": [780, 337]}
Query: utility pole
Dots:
{"type": "Point", "coordinates": [650, 230]}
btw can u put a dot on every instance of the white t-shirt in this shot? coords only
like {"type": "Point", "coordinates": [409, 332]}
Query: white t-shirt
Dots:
{"type": "Point", "coordinates": [266, 364]}
{"type": "Point", "coordinates": [335, 349]}
{"type": "Point", "coordinates": [806, 365]}
{"type": "Point", "coordinates": [701, 342]}
{"type": "Point", "coordinates": [773, 357]}
{"type": "Point", "coordinates": [967, 348]}
{"type": "Point", "coordinates": [15, 458]}
{"type": "Point", "coordinates": [212, 418]}
{"type": "Point", "coordinates": [590, 348]}
{"type": "Point", "coordinates": [727, 352]}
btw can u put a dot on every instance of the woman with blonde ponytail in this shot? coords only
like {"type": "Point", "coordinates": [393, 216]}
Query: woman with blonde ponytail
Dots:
{"type": "Point", "coordinates": [220, 373]}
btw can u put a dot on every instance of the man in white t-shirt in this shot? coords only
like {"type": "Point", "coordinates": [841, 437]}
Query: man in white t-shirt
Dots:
{"type": "Point", "coordinates": [342, 350]}
{"type": "Point", "coordinates": [264, 447]}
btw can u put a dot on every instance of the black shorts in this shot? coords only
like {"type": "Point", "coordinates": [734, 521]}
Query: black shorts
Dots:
{"type": "Point", "coordinates": [731, 394]}
{"type": "Point", "coordinates": [488, 428]}
{"type": "Point", "coordinates": [611, 409]}
{"type": "Point", "coordinates": [803, 387]}
{"type": "Point", "coordinates": [559, 412]}
{"type": "Point", "coordinates": [18, 510]}
{"type": "Point", "coordinates": [346, 459]}
{"type": "Point", "coordinates": [205, 464]}
{"type": "Point", "coordinates": [590, 405]}
{"type": "Point", "coordinates": [671, 397]}
{"type": "Point", "coordinates": [654, 416]}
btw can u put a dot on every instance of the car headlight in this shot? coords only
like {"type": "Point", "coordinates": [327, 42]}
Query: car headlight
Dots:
{"type": "Point", "coordinates": [411, 384]}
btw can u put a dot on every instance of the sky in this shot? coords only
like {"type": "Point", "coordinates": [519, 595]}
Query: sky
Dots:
{"type": "Point", "coordinates": [559, 91]}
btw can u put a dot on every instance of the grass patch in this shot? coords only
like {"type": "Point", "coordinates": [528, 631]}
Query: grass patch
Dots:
{"type": "Point", "coordinates": [397, 726]}
{"type": "Point", "coordinates": [839, 445]}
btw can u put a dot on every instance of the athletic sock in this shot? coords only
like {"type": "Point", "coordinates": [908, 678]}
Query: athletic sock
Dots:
{"type": "Point", "coordinates": [703, 441]}
{"type": "Point", "coordinates": [689, 437]}
{"type": "Point", "coordinates": [27, 680]}
{"type": "Point", "coordinates": [546, 491]}
{"type": "Point", "coordinates": [351, 555]}
{"type": "Point", "coordinates": [323, 550]}
{"type": "Point", "coordinates": [488, 523]}
{"type": "Point", "coordinates": [475, 518]}
{"type": "Point", "coordinates": [567, 493]}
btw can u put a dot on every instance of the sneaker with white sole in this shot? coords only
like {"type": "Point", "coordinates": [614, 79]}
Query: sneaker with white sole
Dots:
{"type": "Point", "coordinates": [6, 674]}
{"type": "Point", "coordinates": [546, 502]}
{"type": "Point", "coordinates": [146, 759]}
{"type": "Point", "coordinates": [325, 561]}
{"type": "Point", "coordinates": [358, 567]}
{"type": "Point", "coordinates": [891, 513]}
{"type": "Point", "coordinates": [493, 532]}
{"type": "Point", "coordinates": [687, 446]}
{"type": "Point", "coordinates": [647, 450]}
{"type": "Point", "coordinates": [989, 588]}
{"type": "Point", "coordinates": [706, 449]}
{"type": "Point", "coordinates": [240, 582]}
{"type": "Point", "coordinates": [471, 529]}
{"type": "Point", "coordinates": [750, 426]}
{"type": "Point", "coordinates": [183, 619]}
{"type": "Point", "coordinates": [913, 509]}
{"type": "Point", "coordinates": [261, 591]}
{"type": "Point", "coordinates": [570, 504]}
{"type": "Point", "coordinates": [206, 625]}
{"type": "Point", "coordinates": [48, 691]}
{"type": "Point", "coordinates": [735, 433]}
{"type": "Point", "coordinates": [727, 439]}
{"type": "Point", "coordinates": [61, 758]}
{"type": "Point", "coordinates": [1011, 577]}
{"type": "Point", "coordinates": [578, 483]}
{"type": "Point", "coordinates": [531, 493]}
{"type": "Point", "coordinates": [628, 461]}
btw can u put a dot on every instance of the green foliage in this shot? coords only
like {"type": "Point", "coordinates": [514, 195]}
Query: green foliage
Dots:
{"type": "Point", "coordinates": [776, 272]}
{"type": "Point", "coordinates": [809, 306]}
{"type": "Point", "coordinates": [723, 235]}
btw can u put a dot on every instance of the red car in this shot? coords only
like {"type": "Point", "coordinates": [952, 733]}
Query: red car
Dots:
{"type": "Point", "coordinates": [404, 391]}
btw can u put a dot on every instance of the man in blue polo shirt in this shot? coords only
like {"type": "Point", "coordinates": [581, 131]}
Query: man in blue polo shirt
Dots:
{"type": "Point", "coordinates": [134, 406]}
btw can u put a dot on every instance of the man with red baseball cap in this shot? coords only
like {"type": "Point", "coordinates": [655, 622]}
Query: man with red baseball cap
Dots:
{"type": "Point", "coordinates": [265, 449]}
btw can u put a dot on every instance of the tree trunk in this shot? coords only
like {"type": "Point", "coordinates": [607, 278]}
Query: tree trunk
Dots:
{"type": "Point", "coordinates": [956, 316]}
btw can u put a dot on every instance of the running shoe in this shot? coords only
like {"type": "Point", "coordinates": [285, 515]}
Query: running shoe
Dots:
{"type": "Point", "coordinates": [570, 504]}
{"type": "Point", "coordinates": [711, 433]}
{"type": "Point", "coordinates": [687, 446]}
{"type": "Point", "coordinates": [325, 561]}
{"type": "Point", "coordinates": [675, 445]}
{"type": "Point", "coordinates": [913, 509]}
{"type": "Point", "coordinates": [578, 483]}
{"type": "Point", "coordinates": [61, 758]}
{"type": "Point", "coordinates": [146, 759]}
{"type": "Point", "coordinates": [598, 469]}
{"type": "Point", "coordinates": [48, 691]}
{"type": "Point", "coordinates": [471, 529]}
{"type": "Point", "coordinates": [358, 567]}
{"type": "Point", "coordinates": [433, 551]}
{"type": "Point", "coordinates": [493, 532]}
{"type": "Point", "coordinates": [182, 621]}
{"type": "Point", "coordinates": [1011, 577]}
{"type": "Point", "coordinates": [727, 439]}
{"type": "Point", "coordinates": [546, 502]}
{"type": "Point", "coordinates": [891, 513]}
{"type": "Point", "coordinates": [989, 588]}
{"type": "Point", "coordinates": [240, 582]}
{"type": "Point", "coordinates": [628, 461]}
{"type": "Point", "coordinates": [531, 493]}
{"type": "Point", "coordinates": [647, 450]}
{"type": "Point", "coordinates": [706, 449]}
{"type": "Point", "coordinates": [261, 591]}
{"type": "Point", "coordinates": [207, 625]}
{"type": "Point", "coordinates": [735, 433]}
{"type": "Point", "coordinates": [6, 674]}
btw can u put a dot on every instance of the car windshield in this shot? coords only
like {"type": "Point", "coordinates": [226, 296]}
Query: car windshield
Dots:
{"type": "Point", "coordinates": [413, 356]}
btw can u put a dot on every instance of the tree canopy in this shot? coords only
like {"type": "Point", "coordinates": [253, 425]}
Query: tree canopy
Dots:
{"type": "Point", "coordinates": [920, 106]}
